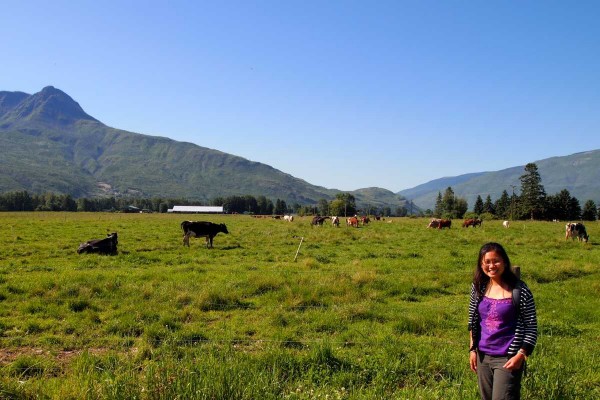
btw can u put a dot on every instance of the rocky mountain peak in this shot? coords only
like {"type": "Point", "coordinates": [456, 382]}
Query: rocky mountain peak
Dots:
{"type": "Point", "coordinates": [50, 105]}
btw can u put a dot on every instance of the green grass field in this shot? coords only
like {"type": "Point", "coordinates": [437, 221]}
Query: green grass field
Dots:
{"type": "Point", "coordinates": [378, 312]}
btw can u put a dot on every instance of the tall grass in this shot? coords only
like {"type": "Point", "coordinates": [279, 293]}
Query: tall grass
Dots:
{"type": "Point", "coordinates": [375, 312]}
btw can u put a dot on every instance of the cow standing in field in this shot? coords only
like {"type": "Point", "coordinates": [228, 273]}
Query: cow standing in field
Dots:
{"type": "Point", "coordinates": [445, 223]}
{"type": "Point", "coordinates": [506, 224]}
{"type": "Point", "coordinates": [576, 230]}
{"type": "Point", "coordinates": [288, 218]}
{"type": "Point", "coordinates": [204, 229]}
{"type": "Point", "coordinates": [434, 223]}
{"type": "Point", "coordinates": [352, 221]}
{"type": "Point", "coordinates": [318, 220]}
{"type": "Point", "coordinates": [335, 221]}
{"type": "Point", "coordinates": [474, 222]}
{"type": "Point", "coordinates": [440, 223]}
{"type": "Point", "coordinates": [108, 245]}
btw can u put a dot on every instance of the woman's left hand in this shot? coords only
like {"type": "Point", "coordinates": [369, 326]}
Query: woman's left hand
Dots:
{"type": "Point", "coordinates": [515, 362]}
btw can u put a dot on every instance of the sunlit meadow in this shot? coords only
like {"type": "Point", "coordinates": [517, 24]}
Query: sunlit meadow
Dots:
{"type": "Point", "coordinates": [378, 312]}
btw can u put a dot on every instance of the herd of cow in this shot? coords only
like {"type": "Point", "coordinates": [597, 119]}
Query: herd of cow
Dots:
{"type": "Point", "coordinates": [335, 221]}
{"type": "Point", "coordinates": [209, 230]}
{"type": "Point", "coordinates": [573, 229]}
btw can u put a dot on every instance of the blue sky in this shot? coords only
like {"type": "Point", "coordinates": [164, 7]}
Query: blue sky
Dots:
{"type": "Point", "coordinates": [343, 94]}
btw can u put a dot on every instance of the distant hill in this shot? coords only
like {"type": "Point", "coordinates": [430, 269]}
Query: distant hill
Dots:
{"type": "Point", "coordinates": [578, 173]}
{"type": "Point", "coordinates": [49, 143]}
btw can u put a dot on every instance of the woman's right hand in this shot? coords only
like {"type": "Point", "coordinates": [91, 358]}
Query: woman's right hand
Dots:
{"type": "Point", "coordinates": [473, 360]}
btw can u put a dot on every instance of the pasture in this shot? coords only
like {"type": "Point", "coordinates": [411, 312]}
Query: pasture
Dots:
{"type": "Point", "coordinates": [378, 312]}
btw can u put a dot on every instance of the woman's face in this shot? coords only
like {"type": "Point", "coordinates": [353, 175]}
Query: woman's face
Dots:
{"type": "Point", "coordinates": [492, 265]}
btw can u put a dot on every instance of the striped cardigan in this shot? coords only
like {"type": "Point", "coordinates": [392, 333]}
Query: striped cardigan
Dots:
{"type": "Point", "coordinates": [526, 329]}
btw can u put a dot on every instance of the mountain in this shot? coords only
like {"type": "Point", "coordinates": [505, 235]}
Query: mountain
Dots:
{"type": "Point", "coordinates": [51, 144]}
{"type": "Point", "coordinates": [578, 173]}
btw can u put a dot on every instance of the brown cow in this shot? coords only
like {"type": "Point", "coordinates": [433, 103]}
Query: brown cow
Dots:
{"type": "Point", "coordinates": [352, 221]}
{"type": "Point", "coordinates": [434, 223]}
{"type": "Point", "coordinates": [445, 223]}
{"type": "Point", "coordinates": [474, 222]}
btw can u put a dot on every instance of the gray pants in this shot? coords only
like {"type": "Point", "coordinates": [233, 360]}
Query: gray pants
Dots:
{"type": "Point", "coordinates": [495, 382]}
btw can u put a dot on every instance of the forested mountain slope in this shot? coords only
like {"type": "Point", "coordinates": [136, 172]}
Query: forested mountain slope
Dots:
{"type": "Point", "coordinates": [49, 143]}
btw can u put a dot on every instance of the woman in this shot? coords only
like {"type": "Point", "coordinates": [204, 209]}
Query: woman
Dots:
{"type": "Point", "coordinates": [502, 325]}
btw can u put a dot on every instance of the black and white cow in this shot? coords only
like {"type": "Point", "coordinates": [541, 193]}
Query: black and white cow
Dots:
{"type": "Point", "coordinates": [108, 245]}
{"type": "Point", "coordinates": [201, 229]}
{"type": "Point", "coordinates": [576, 230]}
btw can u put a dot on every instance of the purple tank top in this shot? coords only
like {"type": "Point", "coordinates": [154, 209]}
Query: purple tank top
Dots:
{"type": "Point", "coordinates": [498, 323]}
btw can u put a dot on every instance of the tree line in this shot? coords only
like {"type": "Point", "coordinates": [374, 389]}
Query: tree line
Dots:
{"type": "Point", "coordinates": [24, 201]}
{"type": "Point", "coordinates": [343, 204]}
{"type": "Point", "coordinates": [531, 203]}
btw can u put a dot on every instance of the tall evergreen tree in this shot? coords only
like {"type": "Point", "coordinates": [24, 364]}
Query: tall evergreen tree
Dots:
{"type": "Point", "coordinates": [460, 207]}
{"type": "Point", "coordinates": [448, 201]}
{"type": "Point", "coordinates": [561, 205]}
{"type": "Point", "coordinates": [590, 212]}
{"type": "Point", "coordinates": [574, 209]}
{"type": "Point", "coordinates": [439, 206]}
{"type": "Point", "coordinates": [502, 206]}
{"type": "Point", "coordinates": [478, 207]}
{"type": "Point", "coordinates": [488, 206]}
{"type": "Point", "coordinates": [533, 194]}
{"type": "Point", "coordinates": [280, 207]}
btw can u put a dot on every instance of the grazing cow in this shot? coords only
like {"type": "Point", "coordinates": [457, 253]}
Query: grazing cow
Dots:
{"type": "Point", "coordinates": [288, 218]}
{"type": "Point", "coordinates": [468, 222]}
{"type": "Point", "coordinates": [204, 229]}
{"type": "Point", "coordinates": [352, 221]}
{"type": "Point", "coordinates": [474, 222]}
{"type": "Point", "coordinates": [318, 220]}
{"type": "Point", "coordinates": [335, 221]}
{"type": "Point", "coordinates": [576, 230]}
{"type": "Point", "coordinates": [434, 223]}
{"type": "Point", "coordinates": [365, 220]}
{"type": "Point", "coordinates": [108, 245]}
{"type": "Point", "coordinates": [440, 223]}
{"type": "Point", "coordinates": [506, 224]}
{"type": "Point", "coordinates": [445, 223]}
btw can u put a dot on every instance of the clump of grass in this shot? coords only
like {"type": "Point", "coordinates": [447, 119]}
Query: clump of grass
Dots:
{"type": "Point", "coordinates": [263, 285]}
{"type": "Point", "coordinates": [557, 274]}
{"type": "Point", "coordinates": [26, 367]}
{"type": "Point", "coordinates": [362, 278]}
{"type": "Point", "coordinates": [79, 305]}
{"type": "Point", "coordinates": [192, 338]}
{"type": "Point", "coordinates": [418, 325]}
{"type": "Point", "coordinates": [215, 301]}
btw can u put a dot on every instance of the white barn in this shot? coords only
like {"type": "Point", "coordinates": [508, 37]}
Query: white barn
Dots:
{"type": "Point", "coordinates": [197, 209]}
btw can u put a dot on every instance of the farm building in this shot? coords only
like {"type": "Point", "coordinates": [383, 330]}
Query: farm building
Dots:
{"type": "Point", "coordinates": [196, 209]}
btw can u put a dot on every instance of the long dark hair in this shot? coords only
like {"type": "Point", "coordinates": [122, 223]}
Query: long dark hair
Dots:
{"type": "Point", "coordinates": [480, 279]}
